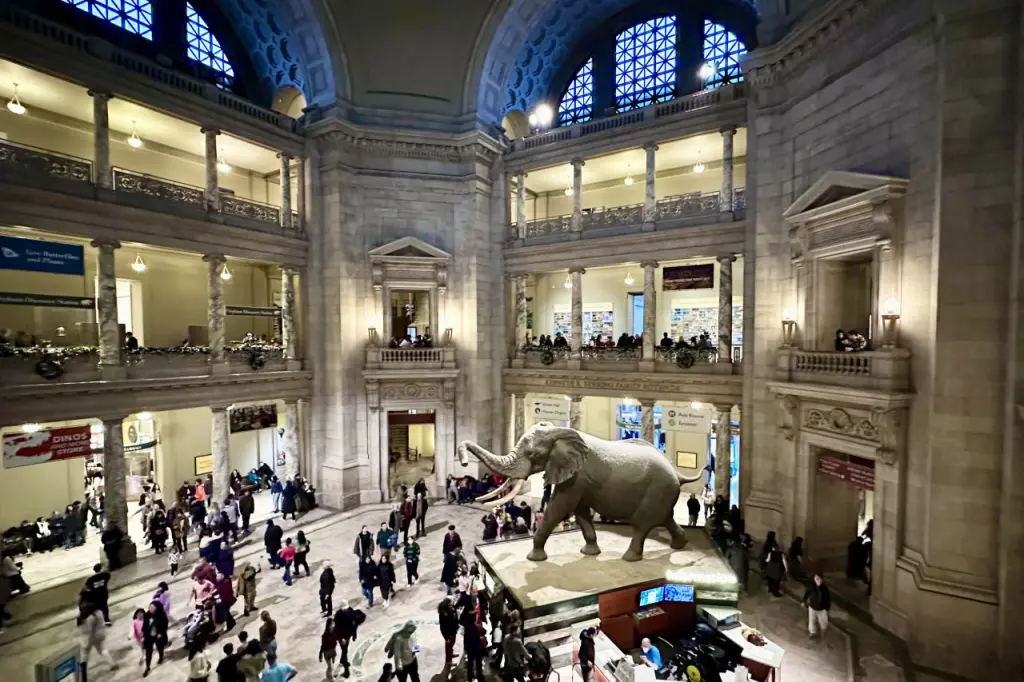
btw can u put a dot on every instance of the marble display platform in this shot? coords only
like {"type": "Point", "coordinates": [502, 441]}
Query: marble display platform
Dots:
{"type": "Point", "coordinates": [569, 580]}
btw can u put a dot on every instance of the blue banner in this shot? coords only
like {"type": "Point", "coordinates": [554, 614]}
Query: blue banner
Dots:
{"type": "Point", "coordinates": [38, 256]}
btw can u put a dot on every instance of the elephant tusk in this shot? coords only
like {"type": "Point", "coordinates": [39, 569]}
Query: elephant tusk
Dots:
{"type": "Point", "coordinates": [494, 493]}
{"type": "Point", "coordinates": [511, 496]}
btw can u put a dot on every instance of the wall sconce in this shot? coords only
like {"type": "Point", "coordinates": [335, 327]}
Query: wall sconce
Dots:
{"type": "Point", "coordinates": [788, 328]}
{"type": "Point", "coordinates": [889, 323]}
{"type": "Point", "coordinates": [372, 334]}
{"type": "Point", "coordinates": [568, 282]}
{"type": "Point", "coordinates": [448, 333]}
{"type": "Point", "coordinates": [61, 332]}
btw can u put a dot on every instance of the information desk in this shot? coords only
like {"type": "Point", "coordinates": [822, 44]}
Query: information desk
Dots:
{"type": "Point", "coordinates": [764, 662]}
{"type": "Point", "coordinates": [612, 665]}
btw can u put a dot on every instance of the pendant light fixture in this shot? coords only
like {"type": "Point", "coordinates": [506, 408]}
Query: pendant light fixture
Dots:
{"type": "Point", "coordinates": [699, 166]}
{"type": "Point", "coordinates": [225, 274]}
{"type": "Point", "coordinates": [139, 265]}
{"type": "Point", "coordinates": [134, 141]}
{"type": "Point", "coordinates": [629, 279]}
{"type": "Point", "coordinates": [15, 106]}
{"type": "Point", "coordinates": [223, 166]}
{"type": "Point", "coordinates": [568, 282]}
{"type": "Point", "coordinates": [568, 191]}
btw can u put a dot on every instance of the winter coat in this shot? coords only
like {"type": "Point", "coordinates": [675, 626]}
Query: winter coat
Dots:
{"type": "Point", "coordinates": [246, 505]}
{"type": "Point", "coordinates": [154, 626]}
{"type": "Point", "coordinates": [364, 545]}
{"type": "Point", "coordinates": [327, 581]}
{"type": "Point", "coordinates": [369, 575]}
{"type": "Point", "coordinates": [347, 622]}
{"type": "Point", "coordinates": [226, 560]}
{"type": "Point", "coordinates": [272, 538]}
{"type": "Point", "coordinates": [411, 553]}
{"type": "Point", "coordinates": [448, 621]}
{"type": "Point", "coordinates": [448, 571]}
{"type": "Point", "coordinates": [251, 665]}
{"type": "Point", "coordinates": [386, 571]}
{"type": "Point", "coordinates": [420, 506]}
{"type": "Point", "coordinates": [451, 542]}
{"type": "Point", "coordinates": [818, 598]}
{"type": "Point", "coordinates": [400, 646]}
{"type": "Point", "coordinates": [288, 498]}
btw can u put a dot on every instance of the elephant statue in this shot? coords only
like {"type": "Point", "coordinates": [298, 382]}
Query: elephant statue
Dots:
{"type": "Point", "coordinates": [626, 480]}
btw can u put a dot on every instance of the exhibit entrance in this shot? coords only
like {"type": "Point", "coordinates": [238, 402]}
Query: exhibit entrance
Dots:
{"type": "Point", "coordinates": [411, 449]}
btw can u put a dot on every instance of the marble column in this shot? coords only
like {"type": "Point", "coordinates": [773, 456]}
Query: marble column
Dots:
{"type": "Point", "coordinates": [106, 305]}
{"type": "Point", "coordinates": [292, 451]}
{"type": "Point", "coordinates": [647, 420]}
{"type": "Point", "coordinates": [576, 333]}
{"type": "Point", "coordinates": [725, 198]}
{"type": "Point", "coordinates": [288, 313]}
{"type": "Point", "coordinates": [723, 450]}
{"type": "Point", "coordinates": [521, 205]}
{"type": "Point", "coordinates": [650, 199]}
{"type": "Point", "coordinates": [650, 341]}
{"type": "Point", "coordinates": [286, 190]}
{"type": "Point", "coordinates": [725, 307]}
{"type": "Point", "coordinates": [520, 291]}
{"type": "Point", "coordinates": [300, 194]}
{"type": "Point", "coordinates": [577, 194]}
{"type": "Point", "coordinates": [575, 412]}
{"type": "Point", "coordinates": [212, 181]}
{"type": "Point", "coordinates": [101, 140]}
{"type": "Point", "coordinates": [221, 449]}
{"type": "Point", "coordinates": [115, 487]}
{"type": "Point", "coordinates": [519, 415]}
{"type": "Point", "coordinates": [215, 311]}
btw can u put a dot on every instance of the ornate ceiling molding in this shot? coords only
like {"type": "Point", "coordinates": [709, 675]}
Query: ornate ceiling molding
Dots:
{"type": "Point", "coordinates": [333, 135]}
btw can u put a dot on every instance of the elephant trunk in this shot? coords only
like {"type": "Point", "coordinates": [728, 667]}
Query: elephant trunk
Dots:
{"type": "Point", "coordinates": [511, 465]}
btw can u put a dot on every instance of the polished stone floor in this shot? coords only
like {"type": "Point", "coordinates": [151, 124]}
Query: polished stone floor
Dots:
{"type": "Point", "coordinates": [850, 651]}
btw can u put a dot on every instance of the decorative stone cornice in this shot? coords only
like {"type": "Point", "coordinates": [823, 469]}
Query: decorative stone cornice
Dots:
{"type": "Point", "coordinates": [475, 146]}
{"type": "Point", "coordinates": [642, 386]}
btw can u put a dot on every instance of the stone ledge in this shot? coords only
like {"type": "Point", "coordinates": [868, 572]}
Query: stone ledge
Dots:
{"type": "Point", "coordinates": [925, 578]}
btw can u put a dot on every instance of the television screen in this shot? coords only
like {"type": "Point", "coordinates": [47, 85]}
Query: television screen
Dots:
{"type": "Point", "coordinates": [682, 593]}
{"type": "Point", "coordinates": [652, 596]}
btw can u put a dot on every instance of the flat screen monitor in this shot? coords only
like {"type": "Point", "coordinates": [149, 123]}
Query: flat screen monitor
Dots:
{"type": "Point", "coordinates": [652, 596]}
{"type": "Point", "coordinates": [683, 593]}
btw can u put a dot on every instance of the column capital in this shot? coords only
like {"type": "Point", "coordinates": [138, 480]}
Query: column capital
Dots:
{"type": "Point", "coordinates": [723, 407]}
{"type": "Point", "coordinates": [728, 130]}
{"type": "Point", "coordinates": [649, 146]}
{"type": "Point", "coordinates": [220, 408]}
{"type": "Point", "coordinates": [284, 155]}
{"type": "Point", "coordinates": [100, 94]}
{"type": "Point", "coordinates": [520, 173]}
{"type": "Point", "coordinates": [726, 258]}
{"type": "Point", "coordinates": [578, 162]}
{"type": "Point", "coordinates": [647, 403]}
{"type": "Point", "coordinates": [577, 268]}
{"type": "Point", "coordinates": [210, 130]}
{"type": "Point", "coordinates": [105, 243]}
{"type": "Point", "coordinates": [113, 421]}
{"type": "Point", "coordinates": [649, 264]}
{"type": "Point", "coordinates": [214, 258]}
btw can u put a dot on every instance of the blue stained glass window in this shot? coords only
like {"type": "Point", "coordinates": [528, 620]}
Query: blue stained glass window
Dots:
{"type": "Point", "coordinates": [645, 64]}
{"type": "Point", "coordinates": [577, 103]}
{"type": "Point", "coordinates": [722, 50]}
{"type": "Point", "coordinates": [135, 16]}
{"type": "Point", "coordinates": [204, 47]}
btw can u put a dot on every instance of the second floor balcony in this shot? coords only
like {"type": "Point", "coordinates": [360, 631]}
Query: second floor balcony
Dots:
{"type": "Point", "coordinates": [886, 370]}
{"type": "Point", "coordinates": [667, 361]}
{"type": "Point", "coordinates": [409, 359]}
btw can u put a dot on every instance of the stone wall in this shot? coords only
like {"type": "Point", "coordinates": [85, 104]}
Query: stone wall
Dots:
{"type": "Point", "coordinates": [926, 91]}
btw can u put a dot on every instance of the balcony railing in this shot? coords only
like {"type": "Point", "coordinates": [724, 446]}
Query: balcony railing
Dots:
{"type": "Point", "coordinates": [58, 365]}
{"type": "Point", "coordinates": [673, 208]}
{"type": "Point", "coordinates": [885, 370]}
{"type": "Point", "coordinates": [410, 358]}
{"type": "Point", "coordinates": [23, 164]}
{"type": "Point", "coordinates": [626, 359]}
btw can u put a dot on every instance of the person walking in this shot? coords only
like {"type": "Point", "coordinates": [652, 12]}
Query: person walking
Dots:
{"type": "Point", "coordinates": [452, 541]}
{"type": "Point", "coordinates": [448, 622]}
{"type": "Point", "coordinates": [227, 669]}
{"type": "Point", "coordinates": [693, 508]}
{"type": "Point", "coordinates": [229, 518]}
{"type": "Point", "coordinates": [96, 590]}
{"type": "Point", "coordinates": [387, 579]}
{"type": "Point", "coordinates": [412, 561]}
{"type": "Point", "coordinates": [285, 557]}
{"type": "Point", "coordinates": [346, 626]}
{"type": "Point", "coordinates": [403, 649]}
{"type": "Point", "coordinates": [246, 508]}
{"type": "Point", "coordinates": [268, 633]}
{"type": "Point", "coordinates": [369, 577]}
{"type": "Point", "coordinates": [517, 658]}
{"type": "Point", "coordinates": [818, 601]}
{"type": "Point", "coordinates": [775, 570]}
{"type": "Point", "coordinates": [420, 506]}
{"type": "Point", "coordinates": [301, 553]}
{"type": "Point", "coordinates": [246, 586]}
{"type": "Point", "coordinates": [496, 610]}
{"type": "Point", "coordinates": [225, 600]}
{"type": "Point", "coordinates": [154, 634]}
{"type": "Point", "coordinates": [739, 560]}
{"type": "Point", "coordinates": [135, 633]}
{"type": "Point", "coordinates": [474, 642]}
{"type": "Point", "coordinates": [275, 493]}
{"type": "Point", "coordinates": [272, 541]}
{"type": "Point", "coordinates": [288, 501]}
{"type": "Point", "coordinates": [163, 597]}
{"type": "Point", "coordinates": [327, 584]}
{"type": "Point", "coordinates": [384, 536]}
{"type": "Point", "coordinates": [364, 544]}
{"type": "Point", "coordinates": [277, 671]}
{"type": "Point", "coordinates": [181, 528]}
{"type": "Point", "coordinates": [251, 661]}
{"type": "Point", "coordinates": [199, 665]}
{"type": "Point", "coordinates": [408, 518]}
{"type": "Point", "coordinates": [587, 654]}
{"type": "Point", "coordinates": [328, 647]}
{"type": "Point", "coordinates": [92, 635]}
{"type": "Point", "coordinates": [450, 572]}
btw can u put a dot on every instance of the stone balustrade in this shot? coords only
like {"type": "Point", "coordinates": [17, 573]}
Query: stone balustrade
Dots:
{"type": "Point", "coordinates": [884, 370]}
{"type": "Point", "coordinates": [627, 360]}
{"type": "Point", "coordinates": [410, 358]}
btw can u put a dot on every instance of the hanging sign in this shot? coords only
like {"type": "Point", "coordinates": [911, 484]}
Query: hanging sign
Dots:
{"type": "Point", "coordinates": [549, 409]}
{"type": "Point", "coordinates": [22, 449]}
{"type": "Point", "coordinates": [38, 256]}
{"type": "Point", "coordinates": [685, 419]}
{"type": "Point", "coordinates": [47, 300]}
{"type": "Point", "coordinates": [858, 475]}
{"type": "Point", "coordinates": [252, 311]}
{"type": "Point", "coordinates": [682, 277]}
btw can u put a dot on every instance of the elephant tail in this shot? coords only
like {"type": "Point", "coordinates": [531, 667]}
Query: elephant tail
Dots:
{"type": "Point", "coordinates": [683, 480]}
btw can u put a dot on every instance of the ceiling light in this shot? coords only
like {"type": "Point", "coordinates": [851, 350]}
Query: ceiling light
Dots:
{"type": "Point", "coordinates": [223, 166]}
{"type": "Point", "coordinates": [698, 167]}
{"type": "Point", "coordinates": [706, 71]}
{"type": "Point", "coordinates": [629, 279]}
{"type": "Point", "coordinates": [568, 282]}
{"type": "Point", "coordinates": [139, 265]}
{"type": "Point", "coordinates": [225, 274]}
{"type": "Point", "coordinates": [30, 428]}
{"type": "Point", "coordinates": [542, 115]}
{"type": "Point", "coordinates": [143, 416]}
{"type": "Point", "coordinates": [134, 141]}
{"type": "Point", "coordinates": [568, 191]}
{"type": "Point", "coordinates": [628, 181]}
{"type": "Point", "coordinates": [97, 428]}
{"type": "Point", "coordinates": [15, 106]}
{"type": "Point", "coordinates": [533, 120]}
{"type": "Point", "coordinates": [696, 405]}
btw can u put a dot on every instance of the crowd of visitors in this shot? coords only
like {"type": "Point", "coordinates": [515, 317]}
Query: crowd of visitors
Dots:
{"type": "Point", "coordinates": [850, 341]}
{"type": "Point", "coordinates": [421, 341]}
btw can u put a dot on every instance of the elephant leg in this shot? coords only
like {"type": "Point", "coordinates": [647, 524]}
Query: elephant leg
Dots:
{"type": "Point", "coordinates": [636, 544]}
{"type": "Point", "coordinates": [561, 504]}
{"type": "Point", "coordinates": [584, 516]}
{"type": "Point", "coordinates": [678, 536]}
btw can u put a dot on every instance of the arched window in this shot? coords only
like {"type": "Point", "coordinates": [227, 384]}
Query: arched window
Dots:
{"type": "Point", "coordinates": [645, 64]}
{"type": "Point", "coordinates": [722, 50]}
{"type": "Point", "coordinates": [135, 16]}
{"type": "Point", "coordinates": [577, 103]}
{"type": "Point", "coordinates": [204, 47]}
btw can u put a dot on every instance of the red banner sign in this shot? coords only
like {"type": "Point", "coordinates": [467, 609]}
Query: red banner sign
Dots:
{"type": "Point", "coordinates": [854, 474]}
{"type": "Point", "coordinates": [22, 449]}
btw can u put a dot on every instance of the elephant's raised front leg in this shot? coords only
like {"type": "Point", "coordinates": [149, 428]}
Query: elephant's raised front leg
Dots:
{"type": "Point", "coordinates": [563, 501]}
{"type": "Point", "coordinates": [585, 517]}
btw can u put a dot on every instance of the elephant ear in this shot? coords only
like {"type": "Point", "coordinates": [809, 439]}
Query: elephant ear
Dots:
{"type": "Point", "coordinates": [566, 456]}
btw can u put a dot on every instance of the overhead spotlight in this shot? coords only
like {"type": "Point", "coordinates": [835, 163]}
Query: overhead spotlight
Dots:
{"type": "Point", "coordinates": [706, 71]}
{"type": "Point", "coordinates": [15, 106]}
{"type": "Point", "coordinates": [542, 115]}
{"type": "Point", "coordinates": [629, 279]}
{"type": "Point", "coordinates": [225, 274]}
{"type": "Point", "coordinates": [134, 141]}
{"type": "Point", "coordinates": [568, 282]}
{"type": "Point", "coordinates": [139, 265]}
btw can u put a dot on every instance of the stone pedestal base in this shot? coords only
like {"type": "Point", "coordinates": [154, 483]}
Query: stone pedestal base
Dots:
{"type": "Point", "coordinates": [649, 227]}
{"type": "Point", "coordinates": [293, 365]}
{"type": "Point", "coordinates": [128, 553]}
{"type": "Point", "coordinates": [113, 372]}
{"type": "Point", "coordinates": [647, 365]}
{"type": "Point", "coordinates": [220, 368]}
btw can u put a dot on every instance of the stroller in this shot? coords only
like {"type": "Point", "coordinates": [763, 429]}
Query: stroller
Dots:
{"type": "Point", "coordinates": [198, 628]}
